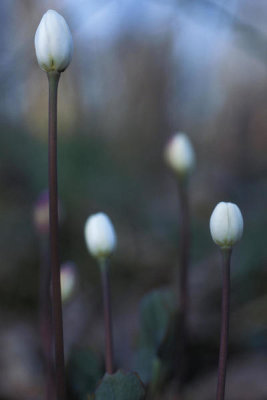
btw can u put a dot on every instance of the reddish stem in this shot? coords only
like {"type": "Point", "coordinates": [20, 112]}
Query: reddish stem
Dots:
{"type": "Point", "coordinates": [224, 324]}
{"type": "Point", "coordinates": [46, 319]}
{"type": "Point", "coordinates": [107, 315]}
{"type": "Point", "coordinates": [53, 78]}
{"type": "Point", "coordinates": [184, 254]}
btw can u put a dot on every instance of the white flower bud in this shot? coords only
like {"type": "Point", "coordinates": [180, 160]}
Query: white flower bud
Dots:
{"type": "Point", "coordinates": [100, 236]}
{"type": "Point", "coordinates": [41, 213]}
{"type": "Point", "coordinates": [67, 280]}
{"type": "Point", "coordinates": [179, 154]}
{"type": "Point", "coordinates": [226, 225]}
{"type": "Point", "coordinates": [53, 42]}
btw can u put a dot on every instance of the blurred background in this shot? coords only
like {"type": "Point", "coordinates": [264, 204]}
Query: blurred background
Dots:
{"type": "Point", "coordinates": [141, 70]}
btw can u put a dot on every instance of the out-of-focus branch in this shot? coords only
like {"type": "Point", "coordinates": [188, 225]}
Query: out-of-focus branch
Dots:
{"type": "Point", "coordinates": [250, 38]}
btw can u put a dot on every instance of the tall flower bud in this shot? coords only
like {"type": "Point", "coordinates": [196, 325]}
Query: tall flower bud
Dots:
{"type": "Point", "coordinates": [53, 42]}
{"type": "Point", "coordinates": [100, 236]}
{"type": "Point", "coordinates": [179, 154]}
{"type": "Point", "coordinates": [226, 225]}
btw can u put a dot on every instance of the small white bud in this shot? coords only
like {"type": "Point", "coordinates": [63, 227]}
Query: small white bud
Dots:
{"type": "Point", "coordinates": [41, 213]}
{"type": "Point", "coordinates": [179, 154]}
{"type": "Point", "coordinates": [226, 225]}
{"type": "Point", "coordinates": [53, 42]}
{"type": "Point", "coordinates": [100, 236]}
{"type": "Point", "coordinates": [67, 280]}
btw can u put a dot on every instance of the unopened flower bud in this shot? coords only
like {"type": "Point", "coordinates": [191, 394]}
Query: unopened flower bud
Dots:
{"type": "Point", "coordinates": [53, 42]}
{"type": "Point", "coordinates": [67, 280]}
{"type": "Point", "coordinates": [226, 225]}
{"type": "Point", "coordinates": [100, 235]}
{"type": "Point", "coordinates": [41, 213]}
{"type": "Point", "coordinates": [179, 154]}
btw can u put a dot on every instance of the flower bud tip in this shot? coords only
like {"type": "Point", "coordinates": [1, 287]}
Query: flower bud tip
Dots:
{"type": "Point", "coordinates": [179, 154]}
{"type": "Point", "coordinates": [100, 235]}
{"type": "Point", "coordinates": [53, 42]}
{"type": "Point", "coordinates": [226, 225]}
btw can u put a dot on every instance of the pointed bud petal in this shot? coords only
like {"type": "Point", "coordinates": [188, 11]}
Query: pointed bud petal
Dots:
{"type": "Point", "coordinates": [226, 225]}
{"type": "Point", "coordinates": [53, 42]}
{"type": "Point", "coordinates": [179, 154]}
{"type": "Point", "coordinates": [100, 235]}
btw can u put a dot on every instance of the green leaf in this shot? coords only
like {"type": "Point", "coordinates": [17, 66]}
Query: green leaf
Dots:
{"type": "Point", "coordinates": [157, 307]}
{"type": "Point", "coordinates": [120, 386]}
{"type": "Point", "coordinates": [159, 374]}
{"type": "Point", "coordinates": [158, 338]}
{"type": "Point", "coordinates": [84, 372]}
{"type": "Point", "coordinates": [143, 362]}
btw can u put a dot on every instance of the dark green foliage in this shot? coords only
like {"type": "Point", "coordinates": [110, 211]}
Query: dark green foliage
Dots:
{"type": "Point", "coordinates": [159, 334]}
{"type": "Point", "coordinates": [143, 362]}
{"type": "Point", "coordinates": [120, 386]}
{"type": "Point", "coordinates": [156, 310]}
{"type": "Point", "coordinates": [84, 372]}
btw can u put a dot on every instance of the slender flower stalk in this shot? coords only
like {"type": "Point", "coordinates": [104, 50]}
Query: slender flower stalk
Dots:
{"type": "Point", "coordinates": [226, 227]}
{"type": "Point", "coordinates": [41, 223]}
{"type": "Point", "coordinates": [104, 268]}
{"type": "Point", "coordinates": [226, 254]}
{"type": "Point", "coordinates": [184, 255]}
{"type": "Point", "coordinates": [180, 157]}
{"type": "Point", "coordinates": [53, 79]}
{"type": "Point", "coordinates": [101, 241]}
{"type": "Point", "coordinates": [46, 328]}
{"type": "Point", "coordinates": [184, 247]}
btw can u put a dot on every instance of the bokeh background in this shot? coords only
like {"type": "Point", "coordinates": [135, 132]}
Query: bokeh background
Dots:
{"type": "Point", "coordinates": [141, 70]}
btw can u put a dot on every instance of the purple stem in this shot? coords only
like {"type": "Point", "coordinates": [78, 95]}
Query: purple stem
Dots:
{"type": "Point", "coordinates": [184, 249]}
{"type": "Point", "coordinates": [224, 324]}
{"type": "Point", "coordinates": [184, 254]}
{"type": "Point", "coordinates": [107, 314]}
{"type": "Point", "coordinates": [53, 79]}
{"type": "Point", "coordinates": [46, 319]}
